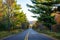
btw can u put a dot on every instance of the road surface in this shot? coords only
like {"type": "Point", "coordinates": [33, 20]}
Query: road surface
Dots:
{"type": "Point", "coordinates": [29, 34]}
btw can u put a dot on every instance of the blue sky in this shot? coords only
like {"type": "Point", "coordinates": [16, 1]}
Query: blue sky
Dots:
{"type": "Point", "coordinates": [25, 9]}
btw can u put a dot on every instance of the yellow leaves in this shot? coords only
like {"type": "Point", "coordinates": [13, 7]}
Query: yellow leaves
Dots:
{"type": "Point", "coordinates": [17, 7]}
{"type": "Point", "coordinates": [0, 5]}
{"type": "Point", "coordinates": [1, 1]}
{"type": "Point", "coordinates": [13, 5]}
{"type": "Point", "coordinates": [44, 0]}
{"type": "Point", "coordinates": [40, 0]}
{"type": "Point", "coordinates": [53, 14]}
{"type": "Point", "coordinates": [18, 25]}
{"type": "Point", "coordinates": [21, 16]}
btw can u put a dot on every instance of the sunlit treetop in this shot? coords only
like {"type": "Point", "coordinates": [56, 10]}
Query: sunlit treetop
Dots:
{"type": "Point", "coordinates": [10, 2]}
{"type": "Point", "coordinates": [46, 2]}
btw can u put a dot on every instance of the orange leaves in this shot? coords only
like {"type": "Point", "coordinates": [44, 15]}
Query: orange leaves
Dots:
{"type": "Point", "coordinates": [1, 14]}
{"type": "Point", "coordinates": [57, 18]}
{"type": "Point", "coordinates": [10, 2]}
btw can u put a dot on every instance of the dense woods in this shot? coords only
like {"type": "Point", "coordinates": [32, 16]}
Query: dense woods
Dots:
{"type": "Point", "coordinates": [44, 9]}
{"type": "Point", "coordinates": [11, 15]}
{"type": "Point", "coordinates": [13, 18]}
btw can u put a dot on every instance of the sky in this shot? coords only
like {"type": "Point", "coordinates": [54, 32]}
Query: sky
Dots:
{"type": "Point", "coordinates": [25, 9]}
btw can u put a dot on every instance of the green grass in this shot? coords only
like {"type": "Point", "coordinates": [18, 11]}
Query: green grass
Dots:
{"type": "Point", "coordinates": [52, 34]}
{"type": "Point", "coordinates": [6, 33]}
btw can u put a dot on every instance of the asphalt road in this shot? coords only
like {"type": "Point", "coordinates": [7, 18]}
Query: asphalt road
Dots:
{"type": "Point", "coordinates": [29, 34]}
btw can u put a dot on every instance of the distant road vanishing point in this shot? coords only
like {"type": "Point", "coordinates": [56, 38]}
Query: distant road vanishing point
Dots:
{"type": "Point", "coordinates": [29, 34]}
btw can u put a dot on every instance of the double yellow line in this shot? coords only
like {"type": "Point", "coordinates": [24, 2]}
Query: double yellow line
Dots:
{"type": "Point", "coordinates": [26, 37]}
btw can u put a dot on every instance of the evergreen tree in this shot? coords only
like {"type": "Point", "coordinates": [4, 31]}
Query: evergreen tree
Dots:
{"type": "Point", "coordinates": [44, 9]}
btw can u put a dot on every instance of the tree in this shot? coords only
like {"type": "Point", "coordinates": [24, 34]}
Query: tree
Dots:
{"type": "Point", "coordinates": [11, 15]}
{"type": "Point", "coordinates": [44, 9]}
{"type": "Point", "coordinates": [1, 14]}
{"type": "Point", "coordinates": [16, 15]}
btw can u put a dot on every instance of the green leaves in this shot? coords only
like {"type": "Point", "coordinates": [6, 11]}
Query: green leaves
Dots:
{"type": "Point", "coordinates": [43, 8]}
{"type": "Point", "coordinates": [30, 6]}
{"type": "Point", "coordinates": [12, 15]}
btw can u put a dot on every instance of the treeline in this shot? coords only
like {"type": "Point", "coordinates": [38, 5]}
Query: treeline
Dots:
{"type": "Point", "coordinates": [44, 9]}
{"type": "Point", "coordinates": [11, 15]}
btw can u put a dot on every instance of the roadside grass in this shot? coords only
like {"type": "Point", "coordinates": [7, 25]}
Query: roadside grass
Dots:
{"type": "Point", "coordinates": [7, 33]}
{"type": "Point", "coordinates": [52, 34]}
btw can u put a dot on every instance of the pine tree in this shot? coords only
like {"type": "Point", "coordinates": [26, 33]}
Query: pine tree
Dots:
{"type": "Point", "coordinates": [44, 9]}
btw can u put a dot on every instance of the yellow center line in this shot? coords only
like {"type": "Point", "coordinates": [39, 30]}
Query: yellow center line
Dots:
{"type": "Point", "coordinates": [26, 37]}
